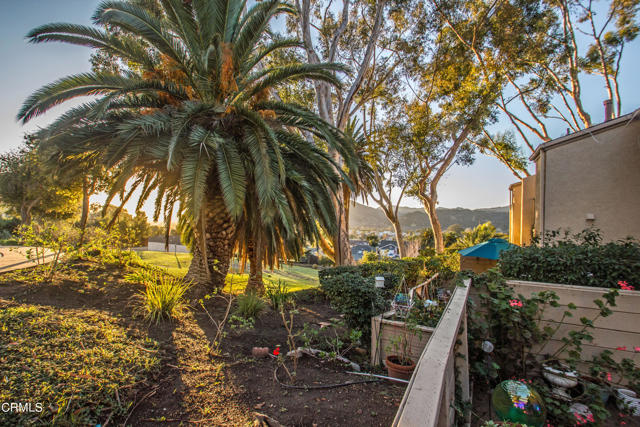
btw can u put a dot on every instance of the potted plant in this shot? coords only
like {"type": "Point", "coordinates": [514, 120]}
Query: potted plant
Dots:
{"type": "Point", "coordinates": [398, 361]}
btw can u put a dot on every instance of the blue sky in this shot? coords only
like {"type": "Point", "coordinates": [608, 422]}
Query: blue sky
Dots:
{"type": "Point", "coordinates": [26, 67]}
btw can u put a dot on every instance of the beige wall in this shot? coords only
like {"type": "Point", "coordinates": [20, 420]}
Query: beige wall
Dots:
{"type": "Point", "coordinates": [585, 176]}
{"type": "Point", "coordinates": [522, 208]}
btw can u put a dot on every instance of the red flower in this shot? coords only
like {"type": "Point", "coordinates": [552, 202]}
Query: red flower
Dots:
{"type": "Point", "coordinates": [515, 303]}
{"type": "Point", "coordinates": [609, 376]}
{"type": "Point", "coordinates": [623, 348]}
{"type": "Point", "coordinates": [625, 286]}
{"type": "Point", "coordinates": [276, 351]}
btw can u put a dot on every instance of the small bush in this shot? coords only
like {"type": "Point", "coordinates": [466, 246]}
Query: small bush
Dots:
{"type": "Point", "coordinates": [277, 294]}
{"type": "Point", "coordinates": [164, 297]}
{"type": "Point", "coordinates": [325, 262]}
{"type": "Point", "coordinates": [575, 260]}
{"type": "Point", "coordinates": [369, 257]}
{"type": "Point", "coordinates": [250, 306]}
{"type": "Point", "coordinates": [356, 297]}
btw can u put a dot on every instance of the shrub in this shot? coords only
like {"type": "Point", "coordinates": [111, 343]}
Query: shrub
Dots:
{"type": "Point", "coordinates": [250, 306]}
{"type": "Point", "coordinates": [325, 262]}
{"type": "Point", "coordinates": [369, 257]}
{"type": "Point", "coordinates": [412, 269]}
{"type": "Point", "coordinates": [277, 294]}
{"type": "Point", "coordinates": [578, 260]}
{"type": "Point", "coordinates": [164, 297]}
{"type": "Point", "coordinates": [356, 297]}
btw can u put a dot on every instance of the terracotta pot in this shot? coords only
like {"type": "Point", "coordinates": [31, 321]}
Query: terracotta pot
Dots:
{"type": "Point", "coordinates": [397, 370]}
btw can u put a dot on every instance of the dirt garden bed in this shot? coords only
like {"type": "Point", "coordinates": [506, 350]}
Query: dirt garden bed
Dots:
{"type": "Point", "coordinates": [178, 380]}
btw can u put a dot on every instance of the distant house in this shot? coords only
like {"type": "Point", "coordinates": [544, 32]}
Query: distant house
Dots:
{"type": "Point", "coordinates": [385, 248]}
{"type": "Point", "coordinates": [358, 248]}
{"type": "Point", "coordinates": [389, 248]}
{"type": "Point", "coordinates": [587, 178]}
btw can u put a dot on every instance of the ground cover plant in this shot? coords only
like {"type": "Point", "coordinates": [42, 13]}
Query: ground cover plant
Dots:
{"type": "Point", "coordinates": [80, 365]}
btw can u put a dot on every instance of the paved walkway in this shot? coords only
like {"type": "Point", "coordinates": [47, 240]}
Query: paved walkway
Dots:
{"type": "Point", "coordinates": [15, 258]}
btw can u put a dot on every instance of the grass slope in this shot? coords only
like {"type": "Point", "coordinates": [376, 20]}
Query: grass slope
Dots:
{"type": "Point", "coordinates": [295, 277]}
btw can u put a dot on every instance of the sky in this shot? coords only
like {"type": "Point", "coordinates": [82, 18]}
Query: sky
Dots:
{"type": "Point", "coordinates": [27, 67]}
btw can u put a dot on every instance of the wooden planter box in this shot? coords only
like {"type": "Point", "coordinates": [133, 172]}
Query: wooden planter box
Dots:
{"type": "Point", "coordinates": [384, 331]}
{"type": "Point", "coordinates": [618, 331]}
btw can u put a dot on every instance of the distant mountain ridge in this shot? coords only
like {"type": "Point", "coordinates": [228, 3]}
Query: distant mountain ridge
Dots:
{"type": "Point", "coordinates": [366, 218]}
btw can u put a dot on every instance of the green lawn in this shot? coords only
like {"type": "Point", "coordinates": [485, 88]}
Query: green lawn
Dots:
{"type": "Point", "coordinates": [297, 278]}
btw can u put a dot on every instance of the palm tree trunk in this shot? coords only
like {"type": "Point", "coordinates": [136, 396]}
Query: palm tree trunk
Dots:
{"type": "Point", "coordinates": [218, 230]}
{"type": "Point", "coordinates": [255, 284]}
{"type": "Point", "coordinates": [86, 194]}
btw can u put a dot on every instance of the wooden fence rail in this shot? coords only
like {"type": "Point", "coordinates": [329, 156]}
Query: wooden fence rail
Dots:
{"type": "Point", "coordinates": [428, 400]}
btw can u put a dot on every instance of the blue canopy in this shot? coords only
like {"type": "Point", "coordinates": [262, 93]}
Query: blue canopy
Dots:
{"type": "Point", "coordinates": [490, 249]}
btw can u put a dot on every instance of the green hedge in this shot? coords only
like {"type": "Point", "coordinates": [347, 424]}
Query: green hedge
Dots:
{"type": "Point", "coordinates": [356, 297]}
{"type": "Point", "coordinates": [582, 260]}
{"type": "Point", "coordinates": [412, 269]}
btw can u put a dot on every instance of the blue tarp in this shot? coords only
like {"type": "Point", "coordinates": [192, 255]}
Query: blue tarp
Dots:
{"type": "Point", "coordinates": [489, 250]}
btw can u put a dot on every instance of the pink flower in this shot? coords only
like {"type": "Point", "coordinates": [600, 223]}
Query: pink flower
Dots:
{"type": "Point", "coordinates": [623, 348]}
{"type": "Point", "coordinates": [636, 349]}
{"type": "Point", "coordinates": [609, 377]}
{"type": "Point", "coordinates": [625, 286]}
{"type": "Point", "coordinates": [515, 303]}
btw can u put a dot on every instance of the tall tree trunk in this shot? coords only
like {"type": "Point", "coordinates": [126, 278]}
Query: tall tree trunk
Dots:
{"type": "Point", "coordinates": [399, 239]}
{"type": "Point", "coordinates": [430, 209]}
{"type": "Point", "coordinates": [255, 284]}
{"type": "Point", "coordinates": [218, 230]}
{"type": "Point", "coordinates": [25, 215]}
{"type": "Point", "coordinates": [25, 211]}
{"type": "Point", "coordinates": [341, 246]}
{"type": "Point", "coordinates": [86, 195]}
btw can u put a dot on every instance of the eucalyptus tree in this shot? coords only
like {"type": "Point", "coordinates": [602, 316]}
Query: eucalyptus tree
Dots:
{"type": "Point", "coordinates": [192, 117]}
{"type": "Point", "coordinates": [346, 31]}
{"type": "Point", "coordinates": [543, 49]}
{"type": "Point", "coordinates": [449, 100]}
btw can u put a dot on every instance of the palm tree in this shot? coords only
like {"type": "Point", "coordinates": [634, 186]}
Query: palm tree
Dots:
{"type": "Point", "coordinates": [194, 118]}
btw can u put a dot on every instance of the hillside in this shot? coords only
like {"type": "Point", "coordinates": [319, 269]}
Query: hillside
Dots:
{"type": "Point", "coordinates": [363, 217]}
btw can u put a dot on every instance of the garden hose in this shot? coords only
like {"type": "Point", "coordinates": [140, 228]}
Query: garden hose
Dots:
{"type": "Point", "coordinates": [318, 387]}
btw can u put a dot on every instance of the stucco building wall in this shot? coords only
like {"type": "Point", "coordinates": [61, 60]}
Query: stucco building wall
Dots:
{"type": "Point", "coordinates": [591, 179]}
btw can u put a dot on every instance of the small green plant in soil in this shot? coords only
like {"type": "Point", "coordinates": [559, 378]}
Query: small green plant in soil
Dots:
{"type": "Point", "coordinates": [219, 324]}
{"type": "Point", "coordinates": [163, 298]}
{"type": "Point", "coordinates": [277, 294]}
{"type": "Point", "coordinates": [80, 365]}
{"type": "Point", "coordinates": [250, 306]}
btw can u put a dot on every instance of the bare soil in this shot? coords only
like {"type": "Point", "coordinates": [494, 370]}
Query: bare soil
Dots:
{"type": "Point", "coordinates": [196, 386]}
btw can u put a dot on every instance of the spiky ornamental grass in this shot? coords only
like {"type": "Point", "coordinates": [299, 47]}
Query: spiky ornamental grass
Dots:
{"type": "Point", "coordinates": [193, 116]}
